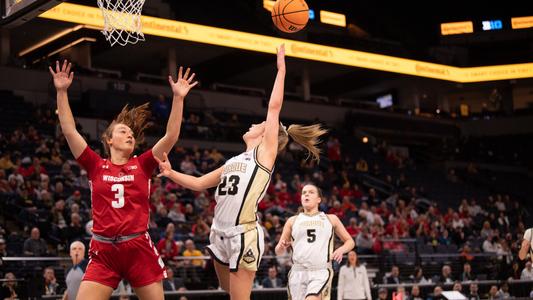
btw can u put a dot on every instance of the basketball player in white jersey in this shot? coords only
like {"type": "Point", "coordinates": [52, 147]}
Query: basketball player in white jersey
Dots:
{"type": "Point", "coordinates": [310, 234]}
{"type": "Point", "coordinates": [236, 239]}
{"type": "Point", "coordinates": [526, 245]}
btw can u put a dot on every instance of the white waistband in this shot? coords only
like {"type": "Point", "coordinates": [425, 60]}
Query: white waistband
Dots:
{"type": "Point", "coordinates": [235, 230]}
{"type": "Point", "coordinates": [297, 267]}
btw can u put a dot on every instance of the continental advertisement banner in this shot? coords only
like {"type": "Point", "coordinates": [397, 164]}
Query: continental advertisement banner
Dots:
{"type": "Point", "coordinates": [92, 16]}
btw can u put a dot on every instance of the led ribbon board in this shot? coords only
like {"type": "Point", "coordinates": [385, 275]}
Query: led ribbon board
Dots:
{"type": "Point", "coordinates": [92, 16]}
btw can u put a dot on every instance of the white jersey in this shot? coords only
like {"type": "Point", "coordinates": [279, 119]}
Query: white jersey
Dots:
{"type": "Point", "coordinates": [242, 186]}
{"type": "Point", "coordinates": [312, 240]}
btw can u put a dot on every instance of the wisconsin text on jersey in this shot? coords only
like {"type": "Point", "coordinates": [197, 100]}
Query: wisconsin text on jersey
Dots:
{"type": "Point", "coordinates": [124, 178]}
{"type": "Point", "coordinates": [235, 167]}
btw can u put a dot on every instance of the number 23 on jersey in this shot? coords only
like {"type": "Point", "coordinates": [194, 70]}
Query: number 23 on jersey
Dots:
{"type": "Point", "coordinates": [229, 186]}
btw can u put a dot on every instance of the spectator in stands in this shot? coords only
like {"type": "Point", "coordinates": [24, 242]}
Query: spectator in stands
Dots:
{"type": "Point", "coordinates": [24, 167]}
{"type": "Point", "coordinates": [57, 218]}
{"type": "Point", "coordinates": [161, 108]}
{"type": "Point", "coordinates": [172, 283]}
{"type": "Point", "coordinates": [82, 182]}
{"type": "Point", "coordinates": [514, 272]}
{"type": "Point", "coordinates": [5, 161]}
{"type": "Point", "coordinates": [75, 230]}
{"type": "Point", "coordinates": [10, 289]}
{"type": "Point", "coordinates": [489, 246]}
{"type": "Point", "coordinates": [175, 214]}
{"type": "Point", "coordinates": [192, 266]}
{"type": "Point", "coordinates": [334, 151]}
{"type": "Point", "coordinates": [161, 218]}
{"type": "Point", "coordinates": [364, 241]}
{"type": "Point", "coordinates": [503, 292]}
{"type": "Point", "coordinates": [467, 274]}
{"type": "Point", "coordinates": [272, 280]}
{"type": "Point", "coordinates": [75, 273]}
{"type": "Point", "coordinates": [167, 246]}
{"type": "Point", "coordinates": [200, 230]}
{"type": "Point", "coordinates": [399, 293]}
{"type": "Point", "coordinates": [466, 254]}
{"type": "Point", "coordinates": [473, 294]}
{"type": "Point", "coordinates": [4, 184]}
{"type": "Point", "coordinates": [337, 210]}
{"type": "Point", "coordinates": [55, 158]}
{"type": "Point", "coordinates": [3, 249]}
{"type": "Point", "coordinates": [493, 293]}
{"type": "Point", "coordinates": [486, 231]}
{"type": "Point", "coordinates": [50, 286]}
{"type": "Point", "coordinates": [59, 190]}
{"type": "Point", "coordinates": [527, 272]}
{"type": "Point", "coordinates": [457, 286]}
{"type": "Point", "coordinates": [446, 275]}
{"type": "Point", "coordinates": [444, 238]}
{"type": "Point", "coordinates": [76, 198]}
{"type": "Point", "coordinates": [437, 293]}
{"type": "Point", "coordinates": [353, 280]}
{"type": "Point", "coordinates": [373, 198]}
{"type": "Point", "coordinates": [393, 277]}
{"type": "Point", "coordinates": [35, 245]}
{"type": "Point", "coordinates": [418, 276]}
{"type": "Point", "coordinates": [415, 293]}
{"type": "Point", "coordinates": [383, 293]}
{"type": "Point", "coordinates": [352, 228]}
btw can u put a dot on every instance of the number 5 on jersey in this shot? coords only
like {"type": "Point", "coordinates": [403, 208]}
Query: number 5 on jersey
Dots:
{"type": "Point", "coordinates": [118, 188]}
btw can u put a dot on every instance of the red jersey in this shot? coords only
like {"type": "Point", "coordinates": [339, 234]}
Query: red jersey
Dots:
{"type": "Point", "coordinates": [119, 193]}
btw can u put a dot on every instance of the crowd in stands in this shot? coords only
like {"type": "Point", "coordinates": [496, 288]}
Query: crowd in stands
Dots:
{"type": "Point", "coordinates": [46, 206]}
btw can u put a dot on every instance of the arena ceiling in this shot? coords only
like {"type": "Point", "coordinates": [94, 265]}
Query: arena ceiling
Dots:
{"type": "Point", "coordinates": [403, 29]}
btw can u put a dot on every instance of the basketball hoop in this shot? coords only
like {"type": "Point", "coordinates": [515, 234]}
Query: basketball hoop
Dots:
{"type": "Point", "coordinates": [122, 21]}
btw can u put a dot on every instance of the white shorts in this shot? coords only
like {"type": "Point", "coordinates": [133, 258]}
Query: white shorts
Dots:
{"type": "Point", "coordinates": [303, 283]}
{"type": "Point", "coordinates": [243, 250]}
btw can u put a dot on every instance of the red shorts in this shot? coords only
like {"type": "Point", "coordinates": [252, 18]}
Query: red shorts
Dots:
{"type": "Point", "coordinates": [135, 260]}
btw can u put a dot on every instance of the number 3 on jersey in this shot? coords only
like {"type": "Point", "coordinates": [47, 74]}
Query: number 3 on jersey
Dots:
{"type": "Point", "coordinates": [232, 188]}
{"type": "Point", "coordinates": [118, 188]}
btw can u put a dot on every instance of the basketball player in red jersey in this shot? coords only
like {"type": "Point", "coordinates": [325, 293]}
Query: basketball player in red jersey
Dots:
{"type": "Point", "coordinates": [120, 247]}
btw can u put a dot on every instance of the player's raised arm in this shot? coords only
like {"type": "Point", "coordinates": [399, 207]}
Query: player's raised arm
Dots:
{"type": "Point", "coordinates": [269, 146]}
{"type": "Point", "coordinates": [180, 89]}
{"type": "Point", "coordinates": [63, 76]}
{"type": "Point", "coordinates": [204, 182]}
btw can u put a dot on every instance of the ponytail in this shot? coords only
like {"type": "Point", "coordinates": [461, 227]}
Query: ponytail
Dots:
{"type": "Point", "coordinates": [307, 136]}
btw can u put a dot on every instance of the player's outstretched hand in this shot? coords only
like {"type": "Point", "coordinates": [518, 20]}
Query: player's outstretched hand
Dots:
{"type": "Point", "coordinates": [165, 169]}
{"type": "Point", "coordinates": [62, 75]}
{"type": "Point", "coordinates": [184, 83]}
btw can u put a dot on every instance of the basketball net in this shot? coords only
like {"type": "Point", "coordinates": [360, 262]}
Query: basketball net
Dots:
{"type": "Point", "coordinates": [122, 21]}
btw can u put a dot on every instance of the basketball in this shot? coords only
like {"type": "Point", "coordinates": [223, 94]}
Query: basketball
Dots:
{"type": "Point", "coordinates": [290, 15]}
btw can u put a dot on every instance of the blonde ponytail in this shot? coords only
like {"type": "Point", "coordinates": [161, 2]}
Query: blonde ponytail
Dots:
{"type": "Point", "coordinates": [307, 136]}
